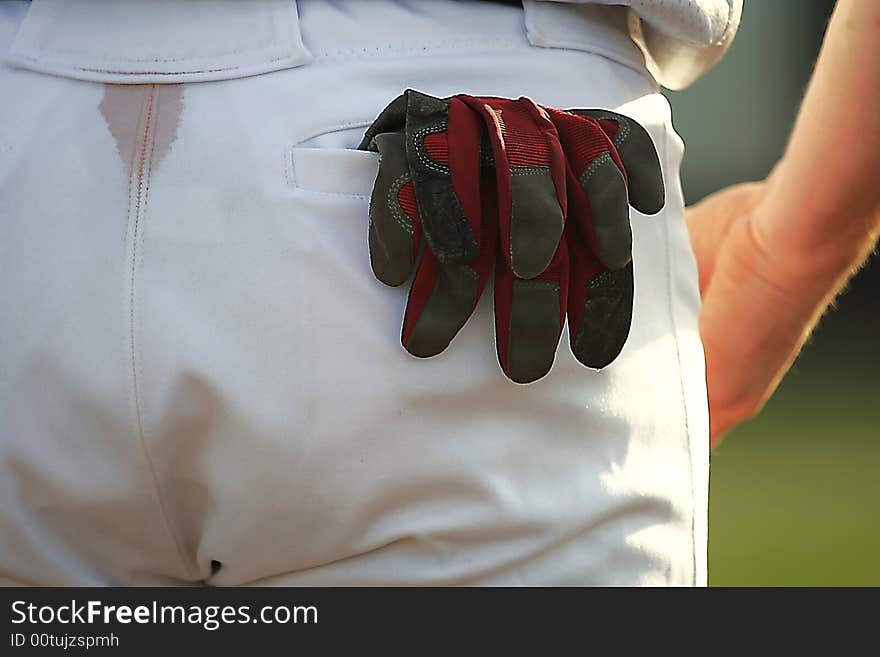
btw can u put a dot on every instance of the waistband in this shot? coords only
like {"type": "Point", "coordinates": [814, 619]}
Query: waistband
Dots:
{"type": "Point", "coordinates": [174, 41]}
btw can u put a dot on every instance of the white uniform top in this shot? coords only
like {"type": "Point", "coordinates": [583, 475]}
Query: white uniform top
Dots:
{"type": "Point", "coordinates": [681, 39]}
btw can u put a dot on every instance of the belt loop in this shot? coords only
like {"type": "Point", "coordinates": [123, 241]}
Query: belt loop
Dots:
{"type": "Point", "coordinates": [600, 29]}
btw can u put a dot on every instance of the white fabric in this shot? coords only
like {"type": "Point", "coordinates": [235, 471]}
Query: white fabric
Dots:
{"type": "Point", "coordinates": [199, 365]}
{"type": "Point", "coordinates": [699, 22]}
{"type": "Point", "coordinates": [152, 40]}
{"type": "Point", "coordinates": [140, 41]}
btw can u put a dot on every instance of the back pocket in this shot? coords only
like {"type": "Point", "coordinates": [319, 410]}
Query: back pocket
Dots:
{"type": "Point", "coordinates": [345, 172]}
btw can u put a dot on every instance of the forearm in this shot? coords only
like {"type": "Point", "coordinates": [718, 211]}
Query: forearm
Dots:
{"type": "Point", "coordinates": [821, 214]}
{"type": "Point", "coordinates": [774, 254]}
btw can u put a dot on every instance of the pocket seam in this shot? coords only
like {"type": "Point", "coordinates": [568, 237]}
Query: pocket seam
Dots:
{"type": "Point", "coordinates": [671, 169]}
{"type": "Point", "coordinates": [296, 144]}
{"type": "Point", "coordinates": [294, 181]}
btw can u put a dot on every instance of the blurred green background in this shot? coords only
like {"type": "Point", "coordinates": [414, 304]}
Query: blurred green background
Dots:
{"type": "Point", "coordinates": [794, 493]}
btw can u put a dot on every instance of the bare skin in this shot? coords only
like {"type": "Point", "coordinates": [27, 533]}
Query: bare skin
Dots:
{"type": "Point", "coordinates": [774, 254]}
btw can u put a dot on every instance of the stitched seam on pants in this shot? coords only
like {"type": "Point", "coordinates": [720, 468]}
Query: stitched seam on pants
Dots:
{"type": "Point", "coordinates": [268, 43]}
{"type": "Point", "coordinates": [104, 66]}
{"type": "Point", "coordinates": [436, 47]}
{"type": "Point", "coordinates": [671, 306]}
{"type": "Point", "coordinates": [312, 133]}
{"type": "Point", "coordinates": [306, 190]}
{"type": "Point", "coordinates": [142, 173]}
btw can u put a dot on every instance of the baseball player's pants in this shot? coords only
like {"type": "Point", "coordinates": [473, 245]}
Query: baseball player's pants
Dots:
{"type": "Point", "coordinates": [202, 382]}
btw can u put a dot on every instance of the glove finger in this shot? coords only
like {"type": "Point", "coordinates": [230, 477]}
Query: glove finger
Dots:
{"type": "Point", "coordinates": [597, 190]}
{"type": "Point", "coordinates": [442, 297]}
{"type": "Point", "coordinates": [529, 317]}
{"type": "Point", "coordinates": [443, 151]}
{"type": "Point", "coordinates": [394, 230]}
{"type": "Point", "coordinates": [639, 158]}
{"type": "Point", "coordinates": [600, 303]}
{"type": "Point", "coordinates": [530, 178]}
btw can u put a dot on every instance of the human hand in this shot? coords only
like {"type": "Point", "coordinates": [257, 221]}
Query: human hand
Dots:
{"type": "Point", "coordinates": [773, 255]}
{"type": "Point", "coordinates": [758, 305]}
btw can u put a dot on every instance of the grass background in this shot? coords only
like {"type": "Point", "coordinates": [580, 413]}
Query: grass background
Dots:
{"type": "Point", "coordinates": [794, 493]}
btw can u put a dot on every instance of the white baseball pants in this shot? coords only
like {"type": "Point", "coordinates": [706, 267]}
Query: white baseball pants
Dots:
{"type": "Point", "coordinates": [202, 382]}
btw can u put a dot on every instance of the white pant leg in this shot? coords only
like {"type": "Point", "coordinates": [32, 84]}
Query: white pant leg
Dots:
{"type": "Point", "coordinates": [200, 366]}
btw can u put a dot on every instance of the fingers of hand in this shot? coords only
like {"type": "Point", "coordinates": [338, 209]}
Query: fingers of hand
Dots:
{"type": "Point", "coordinates": [443, 297]}
{"type": "Point", "coordinates": [597, 189]}
{"type": "Point", "coordinates": [529, 317]}
{"type": "Point", "coordinates": [394, 217]}
{"type": "Point", "coordinates": [600, 303]}
{"type": "Point", "coordinates": [638, 156]}
{"type": "Point", "coordinates": [530, 181]}
{"type": "Point", "coordinates": [443, 153]}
